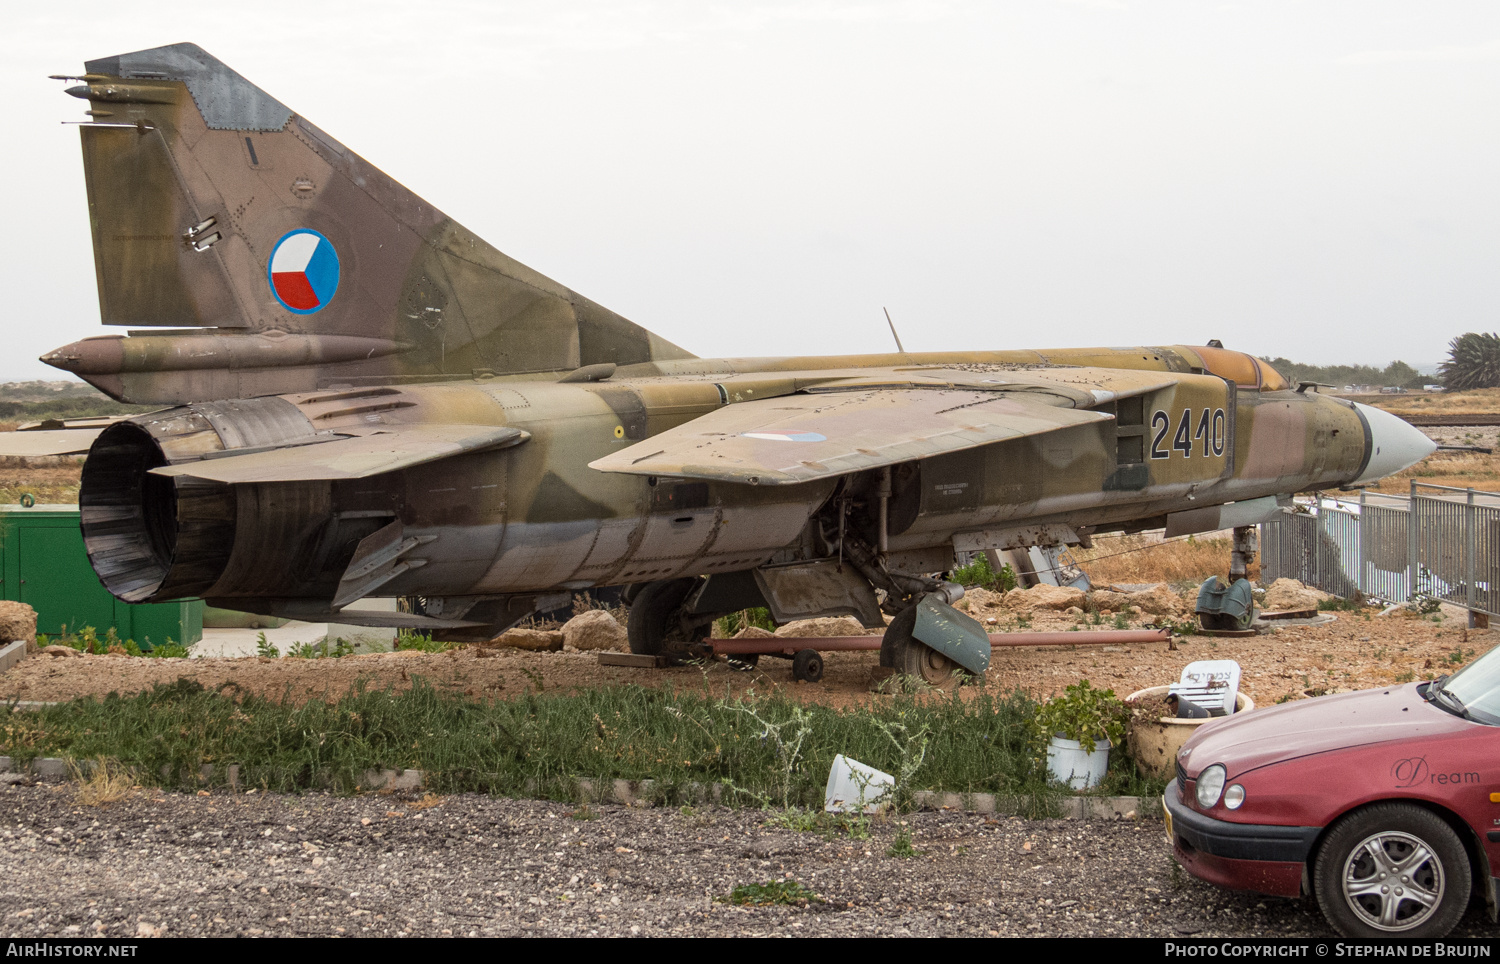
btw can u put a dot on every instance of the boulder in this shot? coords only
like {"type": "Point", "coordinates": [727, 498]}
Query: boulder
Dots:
{"type": "Point", "coordinates": [594, 629]}
{"type": "Point", "coordinates": [1159, 600]}
{"type": "Point", "coordinates": [1102, 599]}
{"type": "Point", "coordinates": [824, 626]}
{"type": "Point", "coordinates": [978, 600]}
{"type": "Point", "coordinates": [17, 621]}
{"type": "Point", "coordinates": [1044, 597]}
{"type": "Point", "coordinates": [534, 639]}
{"type": "Point", "coordinates": [1289, 594]}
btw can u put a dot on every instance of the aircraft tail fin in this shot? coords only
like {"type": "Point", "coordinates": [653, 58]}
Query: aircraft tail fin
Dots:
{"type": "Point", "coordinates": [214, 205]}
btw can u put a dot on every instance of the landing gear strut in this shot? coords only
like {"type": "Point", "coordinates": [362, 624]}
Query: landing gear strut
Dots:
{"type": "Point", "coordinates": [1231, 606]}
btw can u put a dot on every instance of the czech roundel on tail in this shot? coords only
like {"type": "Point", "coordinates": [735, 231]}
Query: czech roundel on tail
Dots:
{"type": "Point", "coordinates": [362, 398]}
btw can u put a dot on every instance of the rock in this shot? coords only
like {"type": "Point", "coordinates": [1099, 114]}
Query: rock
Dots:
{"type": "Point", "coordinates": [825, 626]}
{"type": "Point", "coordinates": [17, 621]}
{"type": "Point", "coordinates": [1073, 611]}
{"type": "Point", "coordinates": [534, 639]}
{"type": "Point", "coordinates": [1159, 600]}
{"type": "Point", "coordinates": [1102, 599]}
{"type": "Point", "coordinates": [594, 629]}
{"type": "Point", "coordinates": [1289, 594]}
{"type": "Point", "coordinates": [753, 632]}
{"type": "Point", "coordinates": [975, 600]}
{"type": "Point", "coordinates": [60, 651]}
{"type": "Point", "coordinates": [1044, 597]}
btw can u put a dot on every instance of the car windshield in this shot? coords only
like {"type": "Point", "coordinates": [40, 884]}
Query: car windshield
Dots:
{"type": "Point", "coordinates": [1477, 686]}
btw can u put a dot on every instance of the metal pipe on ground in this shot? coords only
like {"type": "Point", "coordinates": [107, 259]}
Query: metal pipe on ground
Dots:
{"type": "Point", "coordinates": [787, 645]}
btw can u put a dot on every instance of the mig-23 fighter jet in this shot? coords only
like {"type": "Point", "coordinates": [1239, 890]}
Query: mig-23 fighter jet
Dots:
{"type": "Point", "coordinates": [364, 399]}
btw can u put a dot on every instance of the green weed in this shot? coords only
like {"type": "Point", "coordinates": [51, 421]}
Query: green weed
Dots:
{"type": "Point", "coordinates": [979, 574]}
{"type": "Point", "coordinates": [727, 626]}
{"type": "Point", "coordinates": [901, 846]}
{"type": "Point", "coordinates": [771, 751]}
{"type": "Point", "coordinates": [422, 642]}
{"type": "Point", "coordinates": [784, 892]}
{"type": "Point", "coordinates": [321, 650]}
{"type": "Point", "coordinates": [88, 640]}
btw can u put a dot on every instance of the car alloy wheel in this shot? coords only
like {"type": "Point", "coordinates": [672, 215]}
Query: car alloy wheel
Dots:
{"type": "Point", "coordinates": [1392, 869]}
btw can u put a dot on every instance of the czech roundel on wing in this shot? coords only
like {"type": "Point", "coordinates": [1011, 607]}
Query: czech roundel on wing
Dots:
{"type": "Point", "coordinates": [304, 271]}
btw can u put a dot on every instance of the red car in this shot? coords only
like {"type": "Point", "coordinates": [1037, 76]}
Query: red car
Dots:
{"type": "Point", "coordinates": [1385, 804]}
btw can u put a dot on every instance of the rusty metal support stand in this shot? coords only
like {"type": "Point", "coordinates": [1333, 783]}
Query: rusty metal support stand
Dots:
{"type": "Point", "coordinates": [884, 493]}
{"type": "Point", "coordinates": [1246, 545]}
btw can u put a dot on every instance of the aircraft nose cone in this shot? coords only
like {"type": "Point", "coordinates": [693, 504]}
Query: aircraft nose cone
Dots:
{"type": "Point", "coordinates": [1394, 444]}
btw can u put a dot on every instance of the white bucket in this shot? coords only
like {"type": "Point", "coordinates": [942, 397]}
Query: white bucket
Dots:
{"type": "Point", "coordinates": [1067, 763]}
{"type": "Point", "coordinates": [853, 787]}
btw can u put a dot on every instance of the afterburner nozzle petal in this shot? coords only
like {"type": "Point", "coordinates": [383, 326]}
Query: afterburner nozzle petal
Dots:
{"type": "Point", "coordinates": [1394, 444]}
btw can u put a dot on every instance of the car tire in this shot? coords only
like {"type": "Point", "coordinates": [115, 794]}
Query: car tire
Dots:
{"type": "Point", "coordinates": [1426, 881]}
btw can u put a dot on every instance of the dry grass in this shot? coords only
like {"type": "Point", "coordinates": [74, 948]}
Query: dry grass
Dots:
{"type": "Point", "coordinates": [1147, 558]}
{"type": "Point", "coordinates": [1447, 403]}
{"type": "Point", "coordinates": [1461, 470]}
{"type": "Point", "coordinates": [53, 479]}
{"type": "Point", "coordinates": [107, 782]}
{"type": "Point", "coordinates": [428, 801]}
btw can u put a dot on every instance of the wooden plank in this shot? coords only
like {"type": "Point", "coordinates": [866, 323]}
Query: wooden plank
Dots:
{"type": "Point", "coordinates": [1287, 614]}
{"type": "Point", "coordinates": [634, 660]}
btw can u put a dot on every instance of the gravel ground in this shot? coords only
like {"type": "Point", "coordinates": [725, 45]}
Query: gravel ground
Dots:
{"type": "Point", "coordinates": [395, 865]}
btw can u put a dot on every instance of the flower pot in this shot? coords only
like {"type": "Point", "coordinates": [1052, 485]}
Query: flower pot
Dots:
{"type": "Point", "coordinates": [1067, 763]}
{"type": "Point", "coordinates": [1153, 743]}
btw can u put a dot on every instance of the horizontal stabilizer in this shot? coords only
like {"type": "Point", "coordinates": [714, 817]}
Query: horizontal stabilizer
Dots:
{"type": "Point", "coordinates": [799, 438]}
{"type": "Point", "coordinates": [67, 436]}
{"type": "Point", "coordinates": [34, 444]}
{"type": "Point", "coordinates": [351, 458]}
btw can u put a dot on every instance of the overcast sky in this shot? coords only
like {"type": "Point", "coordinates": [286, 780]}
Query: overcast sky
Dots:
{"type": "Point", "coordinates": [1313, 180]}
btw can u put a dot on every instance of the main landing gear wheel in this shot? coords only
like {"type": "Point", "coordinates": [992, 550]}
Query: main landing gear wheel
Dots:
{"type": "Point", "coordinates": [1392, 870]}
{"type": "Point", "coordinates": [656, 625]}
{"type": "Point", "coordinates": [904, 653]}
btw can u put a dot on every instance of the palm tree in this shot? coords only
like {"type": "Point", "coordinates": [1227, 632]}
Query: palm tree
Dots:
{"type": "Point", "coordinates": [1473, 362]}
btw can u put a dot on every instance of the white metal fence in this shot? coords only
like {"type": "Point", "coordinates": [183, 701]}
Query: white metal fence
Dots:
{"type": "Point", "coordinates": [1438, 542]}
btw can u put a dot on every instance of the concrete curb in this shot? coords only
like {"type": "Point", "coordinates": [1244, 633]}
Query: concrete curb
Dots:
{"type": "Point", "coordinates": [630, 793]}
{"type": "Point", "coordinates": [12, 654]}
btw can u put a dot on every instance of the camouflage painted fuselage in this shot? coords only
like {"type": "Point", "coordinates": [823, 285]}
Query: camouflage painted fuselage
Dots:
{"type": "Point", "coordinates": [373, 401]}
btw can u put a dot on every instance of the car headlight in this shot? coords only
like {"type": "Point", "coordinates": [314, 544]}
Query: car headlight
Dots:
{"type": "Point", "coordinates": [1234, 796]}
{"type": "Point", "coordinates": [1210, 785]}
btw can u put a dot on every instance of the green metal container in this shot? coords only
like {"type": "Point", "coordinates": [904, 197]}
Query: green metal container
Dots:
{"type": "Point", "coordinates": [43, 564]}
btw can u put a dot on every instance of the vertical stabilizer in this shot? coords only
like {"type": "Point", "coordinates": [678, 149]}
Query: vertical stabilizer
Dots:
{"type": "Point", "coordinates": [214, 205]}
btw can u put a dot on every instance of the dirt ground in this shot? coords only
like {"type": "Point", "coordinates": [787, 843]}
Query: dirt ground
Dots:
{"type": "Point", "coordinates": [1355, 651]}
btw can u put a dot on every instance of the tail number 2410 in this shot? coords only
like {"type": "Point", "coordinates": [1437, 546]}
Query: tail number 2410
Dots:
{"type": "Point", "coordinates": [1207, 428]}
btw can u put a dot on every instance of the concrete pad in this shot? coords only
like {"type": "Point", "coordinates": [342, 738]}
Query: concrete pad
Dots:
{"type": "Point", "coordinates": [367, 639]}
{"type": "Point", "coordinates": [242, 642]}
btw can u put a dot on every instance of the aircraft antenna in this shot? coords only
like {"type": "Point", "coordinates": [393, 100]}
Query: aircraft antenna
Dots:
{"type": "Point", "coordinates": [893, 330]}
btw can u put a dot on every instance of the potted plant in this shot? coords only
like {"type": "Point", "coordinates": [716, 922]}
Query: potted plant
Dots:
{"type": "Point", "coordinates": [1080, 727]}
